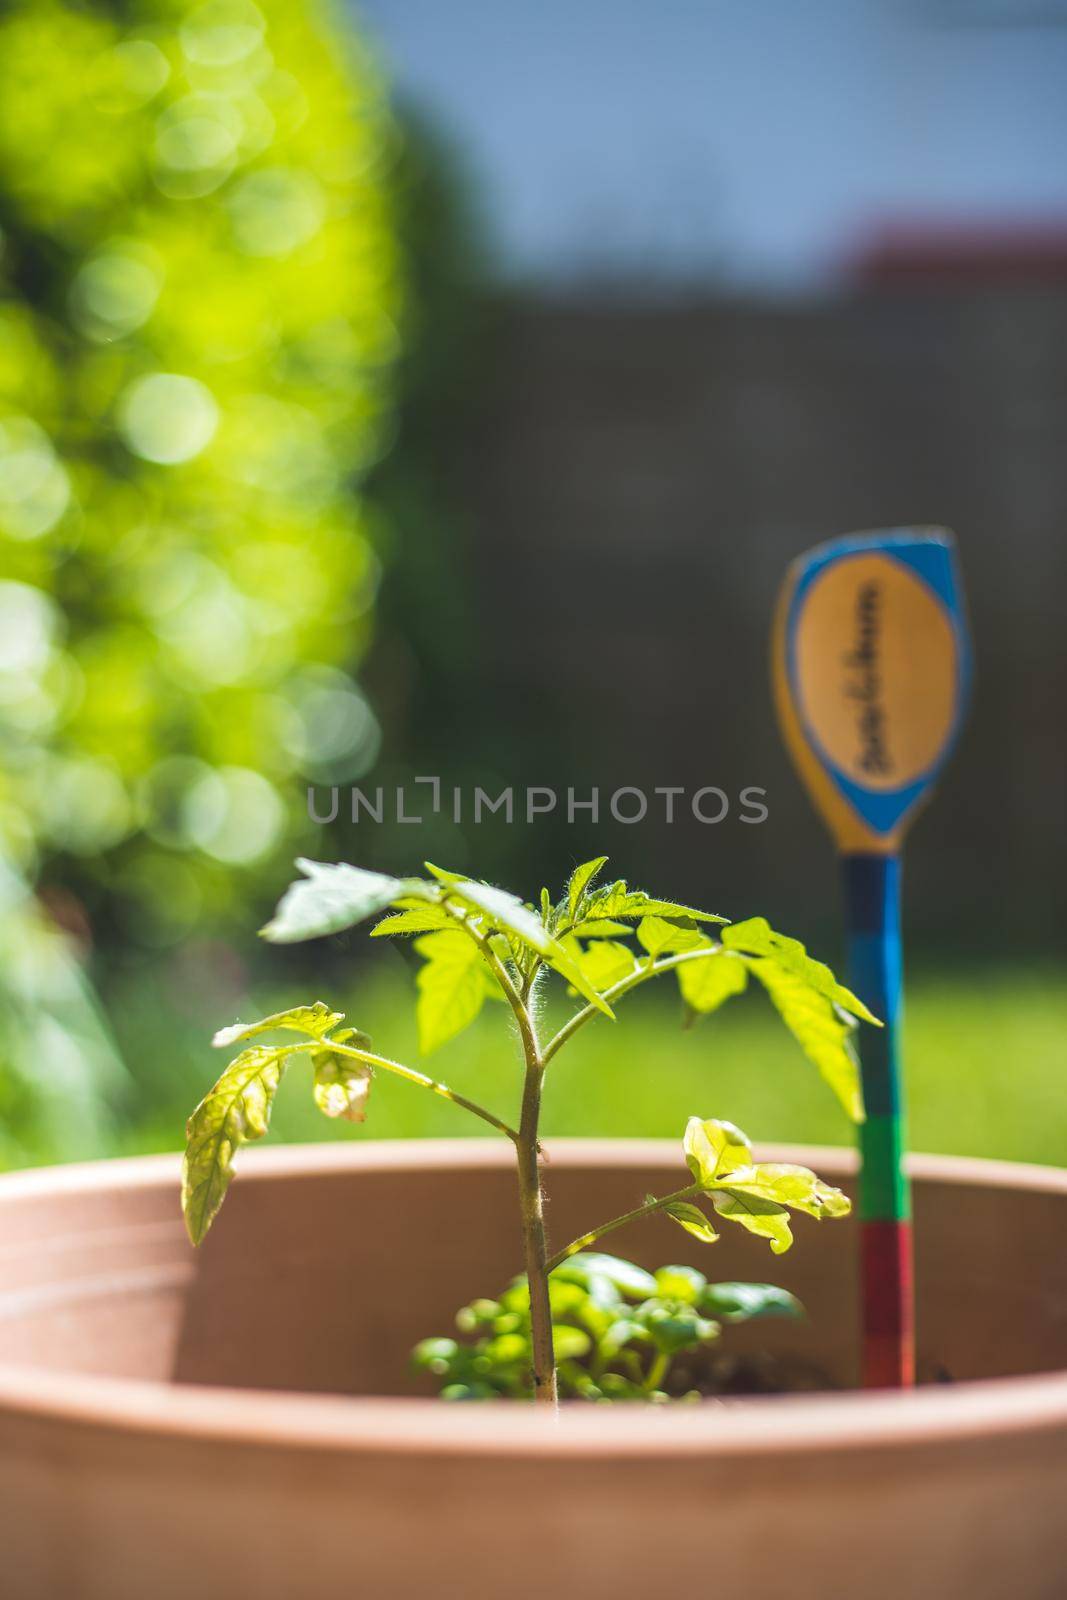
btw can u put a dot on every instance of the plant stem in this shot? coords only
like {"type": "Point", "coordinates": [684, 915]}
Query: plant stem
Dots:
{"type": "Point", "coordinates": [657, 1372]}
{"type": "Point", "coordinates": [617, 990]}
{"type": "Point", "coordinates": [420, 1078]}
{"type": "Point", "coordinates": [535, 1249]}
{"type": "Point", "coordinates": [645, 1210]}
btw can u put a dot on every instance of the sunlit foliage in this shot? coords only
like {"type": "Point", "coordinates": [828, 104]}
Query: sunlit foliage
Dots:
{"type": "Point", "coordinates": [199, 311]}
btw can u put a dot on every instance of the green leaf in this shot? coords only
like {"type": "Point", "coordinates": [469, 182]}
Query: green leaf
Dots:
{"type": "Point", "coordinates": [677, 1328]}
{"type": "Point", "coordinates": [756, 937]}
{"type": "Point", "coordinates": [761, 1217]}
{"type": "Point", "coordinates": [660, 937]}
{"type": "Point", "coordinates": [579, 881]}
{"type": "Point", "coordinates": [234, 1112]}
{"type": "Point", "coordinates": [420, 919]}
{"type": "Point", "coordinates": [789, 1185]}
{"type": "Point", "coordinates": [605, 962]}
{"type": "Point", "coordinates": [743, 1302]}
{"type": "Point", "coordinates": [601, 928]}
{"type": "Point", "coordinates": [706, 985]}
{"type": "Point", "coordinates": [334, 896]}
{"type": "Point", "coordinates": [316, 1020]}
{"type": "Point", "coordinates": [506, 911]}
{"type": "Point", "coordinates": [341, 1085]}
{"type": "Point", "coordinates": [714, 1148]}
{"type": "Point", "coordinates": [823, 1032]}
{"type": "Point", "coordinates": [692, 1219]}
{"type": "Point", "coordinates": [453, 985]}
{"type": "Point", "coordinates": [680, 1283]}
{"type": "Point", "coordinates": [586, 1265]}
{"type": "Point", "coordinates": [617, 900]}
{"type": "Point", "coordinates": [570, 1343]}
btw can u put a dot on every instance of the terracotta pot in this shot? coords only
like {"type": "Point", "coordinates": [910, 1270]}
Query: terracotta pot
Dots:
{"type": "Point", "coordinates": [233, 1422]}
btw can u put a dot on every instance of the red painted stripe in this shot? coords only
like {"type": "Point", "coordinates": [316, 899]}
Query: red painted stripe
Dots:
{"type": "Point", "coordinates": [888, 1305]}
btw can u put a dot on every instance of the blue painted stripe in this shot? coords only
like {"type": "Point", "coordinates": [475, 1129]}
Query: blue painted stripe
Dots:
{"type": "Point", "coordinates": [872, 916]}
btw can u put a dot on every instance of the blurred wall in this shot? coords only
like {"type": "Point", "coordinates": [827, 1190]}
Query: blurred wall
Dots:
{"type": "Point", "coordinates": [638, 480]}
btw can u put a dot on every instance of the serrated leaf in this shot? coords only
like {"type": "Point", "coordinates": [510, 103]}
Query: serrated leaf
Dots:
{"type": "Point", "coordinates": [235, 1111]}
{"type": "Point", "coordinates": [419, 919]}
{"type": "Point", "coordinates": [756, 937]}
{"type": "Point", "coordinates": [761, 1217]}
{"type": "Point", "coordinates": [604, 963]}
{"type": "Point", "coordinates": [743, 1302]}
{"type": "Point", "coordinates": [507, 912]}
{"type": "Point", "coordinates": [580, 879]}
{"type": "Point", "coordinates": [316, 1020]}
{"type": "Point", "coordinates": [341, 1085]}
{"type": "Point", "coordinates": [706, 985]}
{"type": "Point", "coordinates": [823, 1032]}
{"type": "Point", "coordinates": [453, 985]}
{"type": "Point", "coordinates": [714, 1148]}
{"type": "Point", "coordinates": [692, 1219]}
{"type": "Point", "coordinates": [601, 928]}
{"type": "Point", "coordinates": [333, 896]}
{"type": "Point", "coordinates": [617, 900]}
{"type": "Point", "coordinates": [787, 1184]}
{"type": "Point", "coordinates": [659, 937]}
{"type": "Point", "coordinates": [504, 910]}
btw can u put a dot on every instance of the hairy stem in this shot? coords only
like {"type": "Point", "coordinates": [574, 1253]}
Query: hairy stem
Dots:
{"type": "Point", "coordinates": [420, 1078]}
{"type": "Point", "coordinates": [535, 1248]}
{"type": "Point", "coordinates": [617, 990]}
{"type": "Point", "coordinates": [646, 1210]}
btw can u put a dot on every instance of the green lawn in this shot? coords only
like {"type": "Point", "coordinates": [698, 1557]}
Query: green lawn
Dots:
{"type": "Point", "coordinates": [985, 1056]}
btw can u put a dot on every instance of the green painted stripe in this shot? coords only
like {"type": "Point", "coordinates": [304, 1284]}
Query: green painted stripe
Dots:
{"type": "Point", "coordinates": [884, 1189]}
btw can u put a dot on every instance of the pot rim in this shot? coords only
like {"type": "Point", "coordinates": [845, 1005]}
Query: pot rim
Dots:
{"type": "Point", "coordinates": [762, 1426]}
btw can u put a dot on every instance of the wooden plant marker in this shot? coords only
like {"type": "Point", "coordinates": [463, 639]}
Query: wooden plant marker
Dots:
{"type": "Point", "coordinates": [871, 668]}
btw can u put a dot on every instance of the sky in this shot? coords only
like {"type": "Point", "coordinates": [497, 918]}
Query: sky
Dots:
{"type": "Point", "coordinates": [755, 140]}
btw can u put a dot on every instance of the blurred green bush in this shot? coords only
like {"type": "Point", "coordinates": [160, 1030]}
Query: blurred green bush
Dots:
{"type": "Point", "coordinates": [200, 303]}
{"type": "Point", "coordinates": [199, 308]}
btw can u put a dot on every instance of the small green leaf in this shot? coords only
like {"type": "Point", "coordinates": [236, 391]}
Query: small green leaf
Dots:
{"type": "Point", "coordinates": [586, 1265]}
{"type": "Point", "coordinates": [605, 962]}
{"type": "Point", "coordinates": [786, 1184]}
{"type": "Point", "coordinates": [706, 985]}
{"type": "Point", "coordinates": [617, 900]}
{"type": "Point", "coordinates": [756, 937]}
{"type": "Point", "coordinates": [714, 1148]}
{"type": "Point", "coordinates": [681, 1283]}
{"type": "Point", "coordinates": [676, 1328]}
{"type": "Point", "coordinates": [743, 1302]}
{"type": "Point", "coordinates": [823, 1032]}
{"type": "Point", "coordinates": [341, 1085]}
{"type": "Point", "coordinates": [420, 919]}
{"type": "Point", "coordinates": [601, 928]}
{"type": "Point", "coordinates": [507, 912]}
{"type": "Point", "coordinates": [316, 1020]}
{"type": "Point", "coordinates": [333, 896]}
{"type": "Point", "coordinates": [570, 1343]}
{"type": "Point", "coordinates": [453, 985]}
{"type": "Point", "coordinates": [761, 1217]}
{"type": "Point", "coordinates": [692, 1219]}
{"type": "Point", "coordinates": [660, 937]}
{"type": "Point", "coordinates": [579, 881]}
{"type": "Point", "coordinates": [234, 1112]}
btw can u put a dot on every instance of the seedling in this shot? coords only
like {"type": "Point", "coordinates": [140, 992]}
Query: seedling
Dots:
{"type": "Point", "coordinates": [477, 942]}
{"type": "Point", "coordinates": [618, 1331]}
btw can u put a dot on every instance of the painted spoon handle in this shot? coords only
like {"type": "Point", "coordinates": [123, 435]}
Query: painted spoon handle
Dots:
{"type": "Point", "coordinates": [872, 912]}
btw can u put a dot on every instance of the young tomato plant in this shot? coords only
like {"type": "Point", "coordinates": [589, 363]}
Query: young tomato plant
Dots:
{"type": "Point", "coordinates": [477, 941]}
